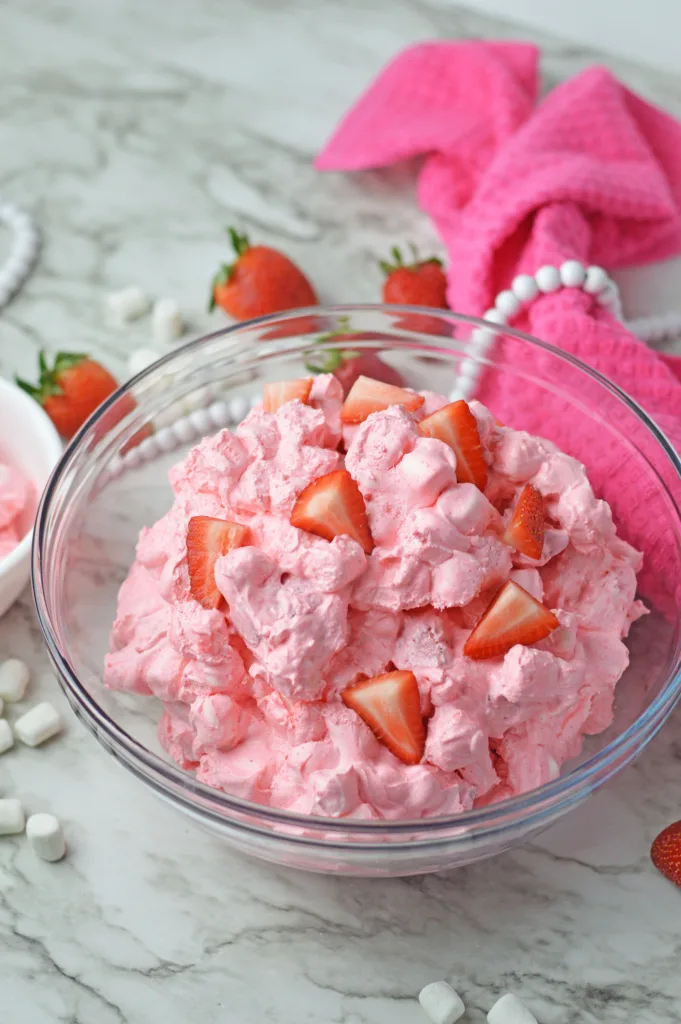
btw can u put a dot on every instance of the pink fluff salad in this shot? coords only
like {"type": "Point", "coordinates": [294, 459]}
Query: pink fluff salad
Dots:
{"type": "Point", "coordinates": [16, 494]}
{"type": "Point", "coordinates": [253, 698]}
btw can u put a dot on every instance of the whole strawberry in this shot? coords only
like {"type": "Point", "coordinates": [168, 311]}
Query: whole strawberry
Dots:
{"type": "Point", "coordinates": [71, 390]}
{"type": "Point", "coordinates": [259, 281]}
{"type": "Point", "coordinates": [421, 283]}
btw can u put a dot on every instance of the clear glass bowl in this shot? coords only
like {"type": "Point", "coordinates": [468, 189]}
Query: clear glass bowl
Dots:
{"type": "Point", "coordinates": [104, 490]}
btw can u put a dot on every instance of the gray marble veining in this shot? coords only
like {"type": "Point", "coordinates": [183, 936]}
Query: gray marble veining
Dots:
{"type": "Point", "coordinates": [134, 132]}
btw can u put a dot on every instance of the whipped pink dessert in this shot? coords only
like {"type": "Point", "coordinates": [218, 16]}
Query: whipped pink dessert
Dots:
{"type": "Point", "coordinates": [377, 614]}
{"type": "Point", "coordinates": [15, 498]}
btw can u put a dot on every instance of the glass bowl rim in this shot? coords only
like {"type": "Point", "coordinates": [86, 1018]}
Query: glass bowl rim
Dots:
{"type": "Point", "coordinates": [165, 777]}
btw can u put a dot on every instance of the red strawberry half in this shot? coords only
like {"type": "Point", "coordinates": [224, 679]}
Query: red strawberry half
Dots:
{"type": "Point", "coordinates": [525, 532]}
{"type": "Point", "coordinates": [283, 391]}
{"type": "Point", "coordinates": [456, 425]}
{"type": "Point", "coordinates": [207, 540]}
{"type": "Point", "coordinates": [513, 617]}
{"type": "Point", "coordinates": [331, 506]}
{"type": "Point", "coordinates": [367, 395]}
{"type": "Point", "coordinates": [391, 706]}
{"type": "Point", "coordinates": [665, 853]}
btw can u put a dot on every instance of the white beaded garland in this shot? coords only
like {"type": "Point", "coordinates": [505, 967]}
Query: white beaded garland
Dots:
{"type": "Point", "coordinates": [200, 420]}
{"type": "Point", "coordinates": [548, 279]}
{"type": "Point", "coordinates": [238, 407]}
{"type": "Point", "coordinates": [494, 316]}
{"type": "Point", "coordinates": [524, 287]}
{"type": "Point", "coordinates": [183, 430]}
{"type": "Point", "coordinates": [507, 304]}
{"type": "Point", "coordinates": [572, 274]}
{"type": "Point", "coordinates": [24, 253]}
{"type": "Point", "coordinates": [219, 414]}
{"type": "Point", "coordinates": [596, 280]}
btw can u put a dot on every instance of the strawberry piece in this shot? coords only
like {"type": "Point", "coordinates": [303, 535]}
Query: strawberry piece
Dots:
{"type": "Point", "coordinates": [207, 540]}
{"type": "Point", "coordinates": [513, 617]}
{"type": "Point", "coordinates": [525, 532]}
{"type": "Point", "coordinates": [367, 395]}
{"type": "Point", "coordinates": [283, 391]}
{"type": "Point", "coordinates": [70, 390]}
{"type": "Point", "coordinates": [456, 425]}
{"type": "Point", "coordinates": [665, 853]}
{"type": "Point", "coordinates": [390, 705]}
{"type": "Point", "coordinates": [333, 505]}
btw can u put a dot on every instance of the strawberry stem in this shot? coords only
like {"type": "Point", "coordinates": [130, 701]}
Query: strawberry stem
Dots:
{"type": "Point", "coordinates": [240, 243]}
{"type": "Point", "coordinates": [399, 264]}
{"type": "Point", "coordinates": [48, 378]}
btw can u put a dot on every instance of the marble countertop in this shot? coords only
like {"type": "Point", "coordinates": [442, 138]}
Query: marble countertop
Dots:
{"type": "Point", "coordinates": [134, 132]}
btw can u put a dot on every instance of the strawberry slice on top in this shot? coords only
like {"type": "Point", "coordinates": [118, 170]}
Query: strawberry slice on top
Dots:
{"type": "Point", "coordinates": [456, 425]}
{"type": "Point", "coordinates": [391, 706]}
{"type": "Point", "coordinates": [525, 531]}
{"type": "Point", "coordinates": [207, 540]}
{"type": "Point", "coordinates": [282, 391]}
{"type": "Point", "coordinates": [333, 505]}
{"type": "Point", "coordinates": [368, 395]}
{"type": "Point", "coordinates": [513, 617]}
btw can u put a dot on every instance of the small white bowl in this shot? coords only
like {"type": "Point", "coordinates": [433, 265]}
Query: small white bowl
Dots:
{"type": "Point", "coordinates": [29, 441]}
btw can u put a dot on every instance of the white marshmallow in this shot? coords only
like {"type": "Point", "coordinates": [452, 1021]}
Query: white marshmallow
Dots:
{"type": "Point", "coordinates": [510, 1010]}
{"type": "Point", "coordinates": [14, 677]}
{"type": "Point", "coordinates": [442, 1004]}
{"type": "Point", "coordinates": [548, 279]}
{"type": "Point", "coordinates": [12, 819]}
{"type": "Point", "coordinates": [140, 358]}
{"type": "Point", "coordinates": [6, 736]}
{"type": "Point", "coordinates": [46, 836]}
{"type": "Point", "coordinates": [38, 725]}
{"type": "Point", "coordinates": [127, 304]}
{"type": "Point", "coordinates": [167, 323]}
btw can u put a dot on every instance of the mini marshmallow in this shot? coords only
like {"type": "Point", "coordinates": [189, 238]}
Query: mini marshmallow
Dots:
{"type": "Point", "coordinates": [46, 836]}
{"type": "Point", "coordinates": [167, 323]}
{"type": "Point", "coordinates": [12, 818]}
{"type": "Point", "coordinates": [140, 358]}
{"type": "Point", "coordinates": [14, 677]}
{"type": "Point", "coordinates": [38, 725]}
{"type": "Point", "coordinates": [128, 304]}
{"type": "Point", "coordinates": [442, 1004]}
{"type": "Point", "coordinates": [6, 736]}
{"type": "Point", "coordinates": [510, 1010]}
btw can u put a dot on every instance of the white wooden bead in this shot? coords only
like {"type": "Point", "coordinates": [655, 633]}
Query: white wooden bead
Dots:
{"type": "Point", "coordinates": [609, 296]}
{"type": "Point", "coordinates": [167, 323]}
{"type": "Point", "coordinates": [441, 1003]}
{"type": "Point", "coordinates": [201, 421]}
{"type": "Point", "coordinates": [127, 304]}
{"type": "Point", "coordinates": [133, 458]}
{"type": "Point", "coordinates": [148, 448]}
{"type": "Point", "coordinates": [183, 430]}
{"type": "Point", "coordinates": [572, 274]}
{"type": "Point", "coordinates": [494, 316]}
{"type": "Point", "coordinates": [39, 724]}
{"type": "Point", "coordinates": [140, 359]}
{"type": "Point", "coordinates": [219, 414]}
{"type": "Point", "coordinates": [596, 280]}
{"type": "Point", "coordinates": [548, 279]}
{"type": "Point", "coordinates": [165, 439]}
{"type": "Point", "coordinates": [510, 1010]}
{"type": "Point", "coordinates": [6, 736]}
{"type": "Point", "coordinates": [507, 304]}
{"type": "Point", "coordinates": [238, 407]}
{"type": "Point", "coordinates": [254, 400]}
{"type": "Point", "coordinates": [14, 677]}
{"type": "Point", "coordinates": [115, 467]}
{"type": "Point", "coordinates": [46, 836]}
{"type": "Point", "coordinates": [524, 287]}
{"type": "Point", "coordinates": [12, 818]}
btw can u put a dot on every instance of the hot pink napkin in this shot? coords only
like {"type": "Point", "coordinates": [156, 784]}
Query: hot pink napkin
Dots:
{"type": "Point", "coordinates": [590, 173]}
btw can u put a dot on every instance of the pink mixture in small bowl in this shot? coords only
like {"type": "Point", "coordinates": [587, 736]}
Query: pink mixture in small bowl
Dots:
{"type": "Point", "coordinates": [17, 505]}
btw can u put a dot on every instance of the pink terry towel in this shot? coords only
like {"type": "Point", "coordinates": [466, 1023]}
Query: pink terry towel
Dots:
{"type": "Point", "coordinates": [593, 173]}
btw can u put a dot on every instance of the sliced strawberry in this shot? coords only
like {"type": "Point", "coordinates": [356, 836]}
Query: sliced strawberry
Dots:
{"type": "Point", "coordinates": [513, 617]}
{"type": "Point", "coordinates": [665, 853]}
{"type": "Point", "coordinates": [282, 391]}
{"type": "Point", "coordinates": [331, 506]}
{"type": "Point", "coordinates": [207, 540]}
{"type": "Point", "coordinates": [391, 706]}
{"type": "Point", "coordinates": [368, 395]}
{"type": "Point", "coordinates": [456, 425]}
{"type": "Point", "coordinates": [525, 532]}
